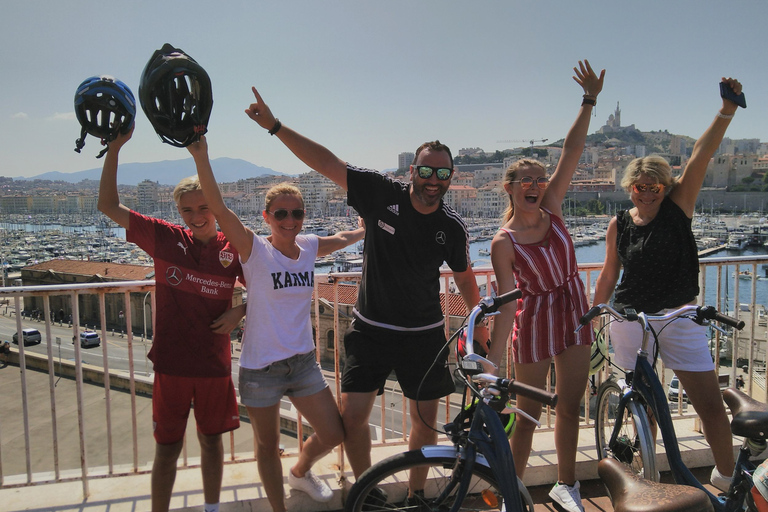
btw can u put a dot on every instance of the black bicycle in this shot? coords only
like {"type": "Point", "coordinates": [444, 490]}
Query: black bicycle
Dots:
{"type": "Point", "coordinates": [622, 428]}
{"type": "Point", "coordinates": [476, 472]}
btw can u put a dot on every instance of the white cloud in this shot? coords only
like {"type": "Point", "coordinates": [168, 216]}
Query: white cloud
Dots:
{"type": "Point", "coordinates": [20, 115]}
{"type": "Point", "coordinates": [62, 116]}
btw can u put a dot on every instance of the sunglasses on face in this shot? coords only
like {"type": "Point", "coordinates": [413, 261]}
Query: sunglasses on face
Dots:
{"type": "Point", "coordinates": [426, 171]}
{"type": "Point", "coordinates": [282, 213]}
{"type": "Point", "coordinates": [655, 188]}
{"type": "Point", "coordinates": [527, 182]}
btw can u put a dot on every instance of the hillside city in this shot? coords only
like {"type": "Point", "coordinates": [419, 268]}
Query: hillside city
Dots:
{"type": "Point", "coordinates": [476, 190]}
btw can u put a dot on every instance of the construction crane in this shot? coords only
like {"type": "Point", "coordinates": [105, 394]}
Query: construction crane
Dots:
{"type": "Point", "coordinates": [531, 141]}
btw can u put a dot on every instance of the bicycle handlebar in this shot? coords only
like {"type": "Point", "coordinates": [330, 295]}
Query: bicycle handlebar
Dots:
{"type": "Point", "coordinates": [518, 388]}
{"type": "Point", "coordinates": [487, 306]}
{"type": "Point", "coordinates": [701, 314]}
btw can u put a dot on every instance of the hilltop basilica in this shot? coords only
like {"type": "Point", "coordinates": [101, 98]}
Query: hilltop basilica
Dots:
{"type": "Point", "coordinates": [613, 125]}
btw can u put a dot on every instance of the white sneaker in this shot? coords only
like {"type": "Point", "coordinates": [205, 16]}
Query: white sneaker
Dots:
{"type": "Point", "coordinates": [310, 484]}
{"type": "Point", "coordinates": [719, 480]}
{"type": "Point", "coordinates": [567, 497]}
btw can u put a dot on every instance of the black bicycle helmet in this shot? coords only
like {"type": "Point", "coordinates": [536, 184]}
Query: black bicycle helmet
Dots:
{"type": "Point", "coordinates": [104, 106]}
{"type": "Point", "coordinates": [175, 94]}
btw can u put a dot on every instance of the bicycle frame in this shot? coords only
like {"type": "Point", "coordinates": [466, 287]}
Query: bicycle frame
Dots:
{"type": "Point", "coordinates": [499, 457]}
{"type": "Point", "coordinates": [646, 388]}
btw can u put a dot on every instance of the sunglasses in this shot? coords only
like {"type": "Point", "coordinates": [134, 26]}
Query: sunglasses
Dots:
{"type": "Point", "coordinates": [426, 172]}
{"type": "Point", "coordinates": [655, 188]}
{"type": "Point", "coordinates": [527, 182]}
{"type": "Point", "coordinates": [282, 213]}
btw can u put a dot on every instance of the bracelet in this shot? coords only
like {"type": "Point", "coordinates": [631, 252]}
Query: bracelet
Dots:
{"type": "Point", "coordinates": [276, 128]}
{"type": "Point", "coordinates": [589, 100]}
{"type": "Point", "coordinates": [724, 116]}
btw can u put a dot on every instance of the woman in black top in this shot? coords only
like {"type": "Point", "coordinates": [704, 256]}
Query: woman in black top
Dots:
{"type": "Point", "coordinates": [654, 244]}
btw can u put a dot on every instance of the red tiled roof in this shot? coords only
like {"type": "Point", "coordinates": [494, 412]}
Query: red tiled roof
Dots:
{"type": "Point", "coordinates": [112, 271]}
{"type": "Point", "coordinates": [347, 293]}
{"type": "Point", "coordinates": [108, 271]}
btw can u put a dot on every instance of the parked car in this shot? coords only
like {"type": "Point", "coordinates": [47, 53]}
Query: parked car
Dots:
{"type": "Point", "coordinates": [30, 336]}
{"type": "Point", "coordinates": [674, 389]}
{"type": "Point", "coordinates": [89, 339]}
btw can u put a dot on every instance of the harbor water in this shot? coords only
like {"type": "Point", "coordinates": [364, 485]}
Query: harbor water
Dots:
{"type": "Point", "coordinates": [595, 253]}
{"type": "Point", "coordinates": [480, 255]}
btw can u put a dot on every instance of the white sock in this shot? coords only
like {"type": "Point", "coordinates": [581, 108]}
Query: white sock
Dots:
{"type": "Point", "coordinates": [211, 507]}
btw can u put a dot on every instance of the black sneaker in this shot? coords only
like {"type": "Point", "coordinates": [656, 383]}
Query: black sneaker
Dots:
{"type": "Point", "coordinates": [376, 500]}
{"type": "Point", "coordinates": [416, 503]}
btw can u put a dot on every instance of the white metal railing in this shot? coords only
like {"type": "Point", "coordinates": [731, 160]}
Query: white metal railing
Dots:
{"type": "Point", "coordinates": [715, 273]}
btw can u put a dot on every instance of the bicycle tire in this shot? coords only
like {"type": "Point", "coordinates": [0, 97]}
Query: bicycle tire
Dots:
{"type": "Point", "coordinates": [391, 476]}
{"type": "Point", "coordinates": [634, 445]}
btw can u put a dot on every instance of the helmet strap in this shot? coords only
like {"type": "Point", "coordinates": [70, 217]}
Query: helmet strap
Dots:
{"type": "Point", "coordinates": [79, 143]}
{"type": "Point", "coordinates": [103, 151]}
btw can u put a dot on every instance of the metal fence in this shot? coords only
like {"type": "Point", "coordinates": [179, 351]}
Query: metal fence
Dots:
{"type": "Point", "coordinates": [735, 285]}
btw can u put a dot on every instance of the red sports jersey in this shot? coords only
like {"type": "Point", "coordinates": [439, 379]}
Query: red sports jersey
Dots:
{"type": "Point", "coordinates": [194, 285]}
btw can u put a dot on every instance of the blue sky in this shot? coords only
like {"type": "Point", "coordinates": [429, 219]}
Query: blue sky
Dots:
{"type": "Point", "coordinates": [372, 79]}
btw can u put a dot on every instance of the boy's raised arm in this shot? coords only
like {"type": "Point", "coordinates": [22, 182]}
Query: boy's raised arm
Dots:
{"type": "Point", "coordinates": [237, 234]}
{"type": "Point", "coordinates": [109, 199]}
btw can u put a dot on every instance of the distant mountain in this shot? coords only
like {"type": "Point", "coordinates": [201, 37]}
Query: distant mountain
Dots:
{"type": "Point", "coordinates": [167, 172]}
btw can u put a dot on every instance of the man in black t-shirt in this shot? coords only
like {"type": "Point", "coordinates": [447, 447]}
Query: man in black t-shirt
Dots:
{"type": "Point", "coordinates": [398, 322]}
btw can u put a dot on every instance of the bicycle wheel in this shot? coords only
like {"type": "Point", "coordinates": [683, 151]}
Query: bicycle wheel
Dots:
{"type": "Point", "coordinates": [384, 487]}
{"type": "Point", "coordinates": [634, 444]}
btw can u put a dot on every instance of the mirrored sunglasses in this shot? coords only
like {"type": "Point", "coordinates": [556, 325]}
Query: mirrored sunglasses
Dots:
{"type": "Point", "coordinates": [527, 182]}
{"type": "Point", "coordinates": [282, 213]}
{"type": "Point", "coordinates": [655, 188]}
{"type": "Point", "coordinates": [426, 171]}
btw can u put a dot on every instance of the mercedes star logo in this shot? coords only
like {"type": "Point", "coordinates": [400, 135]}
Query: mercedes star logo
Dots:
{"type": "Point", "coordinates": [173, 276]}
{"type": "Point", "coordinates": [440, 237]}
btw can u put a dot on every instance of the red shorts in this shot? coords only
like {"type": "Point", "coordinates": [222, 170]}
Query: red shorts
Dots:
{"type": "Point", "coordinates": [214, 400]}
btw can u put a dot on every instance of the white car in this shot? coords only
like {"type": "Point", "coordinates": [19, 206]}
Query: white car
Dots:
{"type": "Point", "coordinates": [30, 337]}
{"type": "Point", "coordinates": [674, 389]}
{"type": "Point", "coordinates": [89, 339]}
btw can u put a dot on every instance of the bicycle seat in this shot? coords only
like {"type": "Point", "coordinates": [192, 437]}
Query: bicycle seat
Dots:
{"type": "Point", "coordinates": [631, 493]}
{"type": "Point", "coordinates": [750, 417]}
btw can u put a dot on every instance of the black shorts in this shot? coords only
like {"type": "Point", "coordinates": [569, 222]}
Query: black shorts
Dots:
{"type": "Point", "coordinates": [372, 354]}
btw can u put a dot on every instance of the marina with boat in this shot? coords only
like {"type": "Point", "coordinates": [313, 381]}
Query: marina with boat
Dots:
{"type": "Point", "coordinates": [27, 240]}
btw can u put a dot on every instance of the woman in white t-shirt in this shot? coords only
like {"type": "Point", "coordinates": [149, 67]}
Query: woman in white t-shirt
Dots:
{"type": "Point", "coordinates": [278, 355]}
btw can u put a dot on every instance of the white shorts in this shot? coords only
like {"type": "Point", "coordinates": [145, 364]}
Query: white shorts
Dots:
{"type": "Point", "coordinates": [683, 344]}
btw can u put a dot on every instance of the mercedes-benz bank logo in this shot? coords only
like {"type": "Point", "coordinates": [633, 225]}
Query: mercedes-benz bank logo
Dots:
{"type": "Point", "coordinates": [440, 237]}
{"type": "Point", "coordinates": [173, 275]}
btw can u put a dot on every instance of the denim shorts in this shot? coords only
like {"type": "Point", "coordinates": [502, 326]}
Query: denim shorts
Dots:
{"type": "Point", "coordinates": [298, 375]}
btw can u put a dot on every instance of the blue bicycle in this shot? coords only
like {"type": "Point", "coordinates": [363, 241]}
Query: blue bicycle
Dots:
{"type": "Point", "coordinates": [476, 472]}
{"type": "Point", "coordinates": [622, 429]}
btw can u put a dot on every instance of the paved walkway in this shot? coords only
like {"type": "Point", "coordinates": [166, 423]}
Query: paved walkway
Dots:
{"type": "Point", "coordinates": [241, 491]}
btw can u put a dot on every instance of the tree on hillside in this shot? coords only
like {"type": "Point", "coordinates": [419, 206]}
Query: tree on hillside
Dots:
{"type": "Point", "coordinates": [541, 152]}
{"type": "Point", "coordinates": [595, 207]}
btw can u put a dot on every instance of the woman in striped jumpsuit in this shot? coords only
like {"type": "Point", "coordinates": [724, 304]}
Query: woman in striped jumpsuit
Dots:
{"type": "Point", "coordinates": [534, 252]}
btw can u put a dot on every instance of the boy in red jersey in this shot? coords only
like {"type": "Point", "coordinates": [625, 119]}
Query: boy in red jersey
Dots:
{"type": "Point", "coordinates": [195, 274]}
